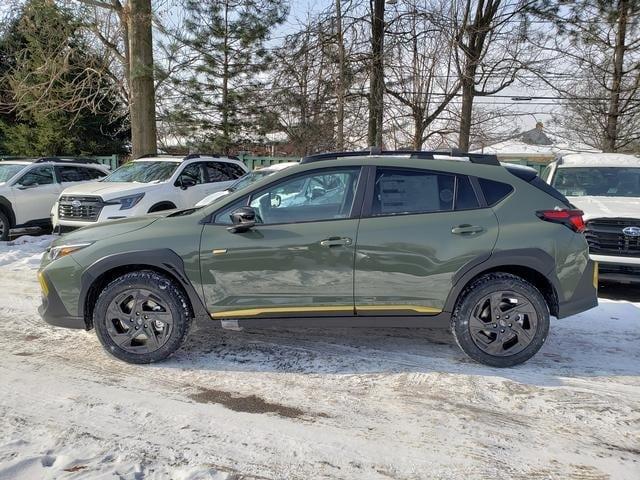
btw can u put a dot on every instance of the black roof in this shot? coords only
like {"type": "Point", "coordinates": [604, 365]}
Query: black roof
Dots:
{"type": "Point", "coordinates": [52, 159]}
{"type": "Point", "coordinates": [481, 158]}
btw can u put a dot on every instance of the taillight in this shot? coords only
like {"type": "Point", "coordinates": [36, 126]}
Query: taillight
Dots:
{"type": "Point", "coordinates": [570, 218]}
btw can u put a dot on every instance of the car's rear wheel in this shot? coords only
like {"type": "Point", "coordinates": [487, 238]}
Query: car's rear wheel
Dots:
{"type": "Point", "coordinates": [501, 320]}
{"type": "Point", "coordinates": [141, 317]}
{"type": "Point", "coordinates": [5, 226]}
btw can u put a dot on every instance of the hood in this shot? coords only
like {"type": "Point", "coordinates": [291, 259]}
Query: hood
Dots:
{"type": "Point", "coordinates": [607, 207]}
{"type": "Point", "coordinates": [108, 229]}
{"type": "Point", "coordinates": [109, 190]}
{"type": "Point", "coordinates": [212, 198]}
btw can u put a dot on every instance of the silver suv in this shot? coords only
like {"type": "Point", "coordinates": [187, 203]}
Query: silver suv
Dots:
{"type": "Point", "coordinates": [30, 187]}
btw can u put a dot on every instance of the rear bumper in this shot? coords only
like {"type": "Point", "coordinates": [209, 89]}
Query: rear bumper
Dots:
{"type": "Point", "coordinates": [53, 311]}
{"type": "Point", "coordinates": [585, 296]}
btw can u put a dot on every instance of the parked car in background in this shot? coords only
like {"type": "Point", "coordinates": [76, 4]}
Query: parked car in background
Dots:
{"type": "Point", "coordinates": [30, 187]}
{"type": "Point", "coordinates": [606, 186]}
{"type": "Point", "coordinates": [146, 185]}
{"type": "Point", "coordinates": [245, 181]}
{"type": "Point", "coordinates": [403, 239]}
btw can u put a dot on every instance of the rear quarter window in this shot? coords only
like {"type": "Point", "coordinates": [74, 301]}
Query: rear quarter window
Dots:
{"type": "Point", "coordinates": [494, 192]}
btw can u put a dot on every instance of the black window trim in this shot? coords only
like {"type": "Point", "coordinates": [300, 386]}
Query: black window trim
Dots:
{"type": "Point", "coordinates": [355, 211]}
{"type": "Point", "coordinates": [367, 207]}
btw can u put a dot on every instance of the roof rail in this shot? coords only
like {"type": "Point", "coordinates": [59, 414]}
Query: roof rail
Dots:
{"type": "Point", "coordinates": [480, 158]}
{"type": "Point", "coordinates": [199, 155]}
{"type": "Point", "coordinates": [66, 160]}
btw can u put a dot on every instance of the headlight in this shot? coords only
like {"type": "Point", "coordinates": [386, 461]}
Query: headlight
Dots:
{"type": "Point", "coordinates": [63, 250]}
{"type": "Point", "coordinates": [126, 202]}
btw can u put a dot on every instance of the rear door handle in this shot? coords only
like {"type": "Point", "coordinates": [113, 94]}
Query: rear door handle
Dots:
{"type": "Point", "coordinates": [336, 242]}
{"type": "Point", "coordinates": [466, 229]}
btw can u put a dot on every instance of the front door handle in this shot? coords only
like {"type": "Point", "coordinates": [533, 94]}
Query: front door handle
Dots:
{"type": "Point", "coordinates": [336, 242]}
{"type": "Point", "coordinates": [466, 229]}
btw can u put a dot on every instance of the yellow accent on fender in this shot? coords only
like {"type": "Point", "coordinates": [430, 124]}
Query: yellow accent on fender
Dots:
{"type": "Point", "coordinates": [250, 312]}
{"type": "Point", "coordinates": [43, 284]}
{"type": "Point", "coordinates": [596, 273]}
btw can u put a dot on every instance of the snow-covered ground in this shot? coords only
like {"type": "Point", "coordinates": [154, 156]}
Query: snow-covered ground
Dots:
{"type": "Point", "coordinates": [350, 404]}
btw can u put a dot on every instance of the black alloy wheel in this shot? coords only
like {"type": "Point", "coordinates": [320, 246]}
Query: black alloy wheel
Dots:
{"type": "Point", "coordinates": [142, 317]}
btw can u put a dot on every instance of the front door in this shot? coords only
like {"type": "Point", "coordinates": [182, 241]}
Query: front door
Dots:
{"type": "Point", "coordinates": [297, 260]}
{"type": "Point", "coordinates": [421, 227]}
{"type": "Point", "coordinates": [35, 192]}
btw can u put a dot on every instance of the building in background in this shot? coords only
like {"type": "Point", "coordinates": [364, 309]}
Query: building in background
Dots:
{"type": "Point", "coordinates": [535, 148]}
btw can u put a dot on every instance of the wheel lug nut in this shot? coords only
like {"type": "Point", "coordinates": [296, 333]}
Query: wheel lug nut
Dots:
{"type": "Point", "coordinates": [137, 328]}
{"type": "Point", "coordinates": [502, 330]}
{"type": "Point", "coordinates": [497, 316]}
{"type": "Point", "coordinates": [131, 320]}
{"type": "Point", "coordinates": [146, 317]}
{"type": "Point", "coordinates": [145, 326]}
{"type": "Point", "coordinates": [137, 313]}
{"type": "Point", "coordinates": [495, 325]}
{"type": "Point", "coordinates": [509, 324]}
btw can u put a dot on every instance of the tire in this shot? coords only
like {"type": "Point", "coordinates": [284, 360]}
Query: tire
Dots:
{"type": "Point", "coordinates": [495, 311]}
{"type": "Point", "coordinates": [142, 317]}
{"type": "Point", "coordinates": [5, 226]}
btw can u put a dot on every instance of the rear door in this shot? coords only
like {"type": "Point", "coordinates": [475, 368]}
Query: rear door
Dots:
{"type": "Point", "coordinates": [419, 227]}
{"type": "Point", "coordinates": [297, 260]}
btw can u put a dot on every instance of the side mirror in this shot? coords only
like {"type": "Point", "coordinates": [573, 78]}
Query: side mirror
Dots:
{"type": "Point", "coordinates": [186, 182]}
{"type": "Point", "coordinates": [243, 219]}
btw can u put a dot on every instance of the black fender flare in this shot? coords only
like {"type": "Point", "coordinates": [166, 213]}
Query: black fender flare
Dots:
{"type": "Point", "coordinates": [7, 208]}
{"type": "Point", "coordinates": [164, 202]}
{"type": "Point", "coordinates": [531, 258]}
{"type": "Point", "coordinates": [163, 260]}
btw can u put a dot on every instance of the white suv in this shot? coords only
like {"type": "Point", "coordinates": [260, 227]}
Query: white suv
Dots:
{"type": "Point", "coordinates": [146, 185]}
{"type": "Point", "coordinates": [606, 186]}
{"type": "Point", "coordinates": [29, 187]}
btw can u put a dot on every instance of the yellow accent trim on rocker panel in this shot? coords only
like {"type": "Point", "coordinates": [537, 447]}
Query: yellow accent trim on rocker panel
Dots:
{"type": "Point", "coordinates": [249, 312]}
{"type": "Point", "coordinates": [414, 308]}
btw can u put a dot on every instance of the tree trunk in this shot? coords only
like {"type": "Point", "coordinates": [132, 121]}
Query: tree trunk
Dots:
{"type": "Point", "coordinates": [467, 107]}
{"type": "Point", "coordinates": [376, 81]}
{"type": "Point", "coordinates": [611, 132]}
{"type": "Point", "coordinates": [226, 131]}
{"type": "Point", "coordinates": [142, 95]}
{"type": "Point", "coordinates": [340, 83]}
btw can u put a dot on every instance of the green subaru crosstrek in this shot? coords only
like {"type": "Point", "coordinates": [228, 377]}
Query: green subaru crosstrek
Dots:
{"type": "Point", "coordinates": [382, 239]}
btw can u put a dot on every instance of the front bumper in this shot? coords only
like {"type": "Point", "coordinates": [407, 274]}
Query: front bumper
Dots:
{"type": "Point", "coordinates": [618, 269]}
{"type": "Point", "coordinates": [52, 310]}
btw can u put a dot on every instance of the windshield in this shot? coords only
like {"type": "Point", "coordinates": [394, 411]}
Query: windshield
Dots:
{"type": "Point", "coordinates": [7, 171]}
{"type": "Point", "coordinates": [598, 181]}
{"type": "Point", "coordinates": [143, 172]}
{"type": "Point", "coordinates": [249, 178]}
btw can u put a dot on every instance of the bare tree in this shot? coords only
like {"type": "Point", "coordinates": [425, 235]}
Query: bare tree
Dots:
{"type": "Point", "coordinates": [601, 41]}
{"type": "Point", "coordinates": [130, 41]}
{"type": "Point", "coordinates": [420, 74]}
{"type": "Point", "coordinates": [492, 37]}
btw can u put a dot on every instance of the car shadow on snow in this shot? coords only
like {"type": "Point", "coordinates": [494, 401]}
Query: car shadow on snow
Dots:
{"type": "Point", "coordinates": [602, 342]}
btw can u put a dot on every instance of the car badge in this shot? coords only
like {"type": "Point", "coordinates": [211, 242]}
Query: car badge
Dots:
{"type": "Point", "coordinates": [631, 231]}
{"type": "Point", "coordinates": [76, 204]}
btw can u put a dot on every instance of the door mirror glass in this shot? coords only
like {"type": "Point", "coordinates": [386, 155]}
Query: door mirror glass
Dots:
{"type": "Point", "coordinates": [243, 219]}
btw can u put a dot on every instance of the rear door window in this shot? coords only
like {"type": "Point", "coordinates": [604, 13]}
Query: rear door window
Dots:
{"type": "Point", "coordinates": [400, 191]}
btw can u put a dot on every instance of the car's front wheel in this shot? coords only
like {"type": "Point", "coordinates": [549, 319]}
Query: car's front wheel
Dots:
{"type": "Point", "coordinates": [501, 320]}
{"type": "Point", "coordinates": [141, 317]}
